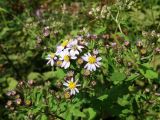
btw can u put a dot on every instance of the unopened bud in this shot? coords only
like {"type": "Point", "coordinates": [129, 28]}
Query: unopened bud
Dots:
{"type": "Point", "coordinates": [126, 43]}
{"type": "Point", "coordinates": [59, 63]}
{"type": "Point", "coordinates": [139, 43]}
{"type": "Point", "coordinates": [93, 83]}
{"type": "Point", "coordinates": [28, 102]}
{"type": "Point", "coordinates": [31, 82]}
{"type": "Point", "coordinates": [70, 73]}
{"type": "Point", "coordinates": [18, 101]}
{"type": "Point", "coordinates": [9, 103]}
{"type": "Point", "coordinates": [86, 72]}
{"type": "Point", "coordinates": [46, 31]}
{"type": "Point", "coordinates": [80, 61]}
{"type": "Point", "coordinates": [67, 95]}
{"type": "Point", "coordinates": [143, 51]}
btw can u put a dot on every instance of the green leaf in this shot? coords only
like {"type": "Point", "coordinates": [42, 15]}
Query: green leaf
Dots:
{"type": "Point", "coordinates": [44, 117]}
{"type": "Point", "coordinates": [33, 76]}
{"type": "Point", "coordinates": [150, 74]}
{"type": "Point", "coordinates": [59, 74]}
{"type": "Point", "coordinates": [102, 97]}
{"type": "Point", "coordinates": [90, 113]}
{"type": "Point", "coordinates": [117, 77]}
{"type": "Point", "coordinates": [12, 83]}
{"type": "Point", "coordinates": [123, 101]}
{"type": "Point", "coordinates": [78, 113]}
{"type": "Point", "coordinates": [48, 75]}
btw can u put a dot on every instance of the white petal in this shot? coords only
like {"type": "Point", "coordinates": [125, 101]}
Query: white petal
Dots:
{"type": "Point", "coordinates": [85, 58]}
{"type": "Point", "coordinates": [98, 59]}
{"type": "Point", "coordinates": [72, 79]}
{"type": "Point", "coordinates": [63, 64]}
{"type": "Point", "coordinates": [48, 62]}
{"type": "Point", "coordinates": [73, 91]}
{"type": "Point", "coordinates": [52, 62]}
{"type": "Point", "coordinates": [73, 57]}
{"type": "Point", "coordinates": [76, 90]}
{"type": "Point", "coordinates": [94, 67]}
{"type": "Point", "coordinates": [86, 66]}
{"type": "Point", "coordinates": [76, 52]}
{"type": "Point", "coordinates": [66, 65]}
{"type": "Point", "coordinates": [97, 65]}
{"type": "Point", "coordinates": [78, 85]}
{"type": "Point", "coordinates": [65, 84]}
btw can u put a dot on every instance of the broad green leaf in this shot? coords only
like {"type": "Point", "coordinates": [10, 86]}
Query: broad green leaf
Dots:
{"type": "Point", "coordinates": [90, 113]}
{"type": "Point", "coordinates": [117, 77]}
{"type": "Point", "coordinates": [33, 76]}
{"type": "Point", "coordinates": [78, 113]}
{"type": "Point", "coordinates": [150, 74]}
{"type": "Point", "coordinates": [44, 117]}
{"type": "Point", "coordinates": [12, 83]}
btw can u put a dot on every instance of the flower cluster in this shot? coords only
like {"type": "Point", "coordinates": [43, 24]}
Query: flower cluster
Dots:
{"type": "Point", "coordinates": [75, 50]}
{"type": "Point", "coordinates": [70, 50]}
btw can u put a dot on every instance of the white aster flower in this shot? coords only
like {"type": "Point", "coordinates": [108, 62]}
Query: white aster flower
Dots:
{"type": "Point", "coordinates": [93, 62]}
{"type": "Point", "coordinates": [72, 86]}
{"type": "Point", "coordinates": [61, 47]}
{"type": "Point", "coordinates": [51, 59]}
{"type": "Point", "coordinates": [74, 48]}
{"type": "Point", "coordinates": [65, 57]}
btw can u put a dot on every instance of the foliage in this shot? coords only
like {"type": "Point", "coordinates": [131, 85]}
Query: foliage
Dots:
{"type": "Point", "coordinates": [127, 37]}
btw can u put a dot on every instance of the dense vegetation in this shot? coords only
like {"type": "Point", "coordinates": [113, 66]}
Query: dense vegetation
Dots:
{"type": "Point", "coordinates": [105, 52]}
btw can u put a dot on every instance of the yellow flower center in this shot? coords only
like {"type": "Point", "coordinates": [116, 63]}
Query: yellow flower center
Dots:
{"type": "Point", "coordinates": [91, 59]}
{"type": "Point", "coordinates": [52, 55]}
{"type": "Point", "coordinates": [64, 43]}
{"type": "Point", "coordinates": [72, 85]}
{"type": "Point", "coordinates": [66, 58]}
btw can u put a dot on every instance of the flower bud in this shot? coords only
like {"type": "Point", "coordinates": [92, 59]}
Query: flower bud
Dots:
{"type": "Point", "coordinates": [18, 101]}
{"type": "Point", "coordinates": [13, 92]}
{"type": "Point", "coordinates": [28, 102]}
{"type": "Point", "coordinates": [153, 33]}
{"type": "Point", "coordinates": [158, 35]}
{"type": "Point", "coordinates": [93, 83]}
{"type": "Point", "coordinates": [113, 44]}
{"type": "Point", "coordinates": [67, 95]}
{"type": "Point", "coordinates": [59, 63]}
{"type": "Point", "coordinates": [144, 33]}
{"type": "Point", "coordinates": [147, 90]}
{"type": "Point", "coordinates": [59, 84]}
{"type": "Point", "coordinates": [80, 61]}
{"type": "Point", "coordinates": [31, 82]}
{"type": "Point", "coordinates": [87, 72]}
{"type": "Point", "coordinates": [139, 44]}
{"type": "Point", "coordinates": [70, 73]}
{"type": "Point", "coordinates": [157, 50]}
{"type": "Point", "coordinates": [126, 43]}
{"type": "Point", "coordinates": [9, 103]}
{"type": "Point", "coordinates": [143, 51]}
{"type": "Point", "coordinates": [20, 83]}
{"type": "Point", "coordinates": [46, 31]}
{"type": "Point", "coordinates": [17, 96]}
{"type": "Point", "coordinates": [9, 93]}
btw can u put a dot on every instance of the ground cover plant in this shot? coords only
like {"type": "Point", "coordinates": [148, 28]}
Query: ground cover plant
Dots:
{"type": "Point", "coordinates": [79, 60]}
